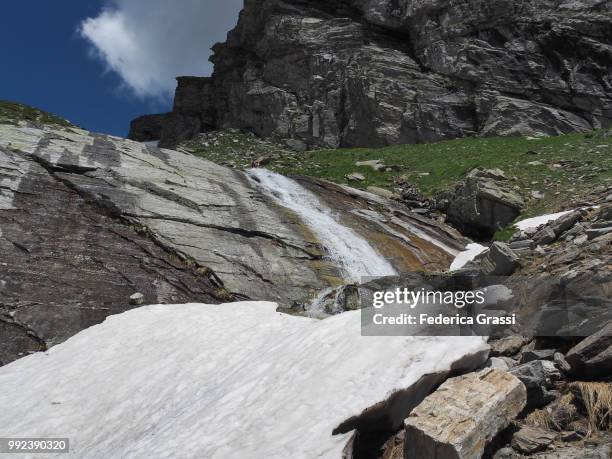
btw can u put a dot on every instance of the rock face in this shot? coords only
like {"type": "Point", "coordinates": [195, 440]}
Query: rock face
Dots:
{"type": "Point", "coordinates": [380, 72]}
{"type": "Point", "coordinates": [87, 221]}
{"type": "Point", "coordinates": [148, 128]}
{"type": "Point", "coordinates": [463, 415]}
{"type": "Point", "coordinates": [483, 204]}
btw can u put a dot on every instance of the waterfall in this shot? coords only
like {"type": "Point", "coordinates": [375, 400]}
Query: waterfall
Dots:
{"type": "Point", "coordinates": [351, 252]}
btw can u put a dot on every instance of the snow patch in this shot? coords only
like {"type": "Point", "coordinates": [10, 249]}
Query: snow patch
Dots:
{"type": "Point", "coordinates": [234, 380]}
{"type": "Point", "coordinates": [540, 220]}
{"type": "Point", "coordinates": [470, 252]}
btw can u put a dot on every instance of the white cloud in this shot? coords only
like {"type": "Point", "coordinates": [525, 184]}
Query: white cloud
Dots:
{"type": "Point", "coordinates": [150, 42]}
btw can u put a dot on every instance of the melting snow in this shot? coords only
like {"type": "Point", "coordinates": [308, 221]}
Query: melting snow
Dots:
{"type": "Point", "coordinates": [470, 252]}
{"type": "Point", "coordinates": [235, 380]}
{"type": "Point", "coordinates": [540, 220]}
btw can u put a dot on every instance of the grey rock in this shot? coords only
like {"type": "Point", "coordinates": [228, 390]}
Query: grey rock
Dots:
{"type": "Point", "coordinates": [508, 346]}
{"type": "Point", "coordinates": [437, 428]}
{"type": "Point", "coordinates": [562, 364]}
{"type": "Point", "coordinates": [137, 299]}
{"type": "Point", "coordinates": [537, 195]}
{"type": "Point", "coordinates": [579, 240]}
{"type": "Point", "coordinates": [501, 363]}
{"type": "Point", "coordinates": [544, 236]}
{"type": "Point", "coordinates": [593, 233]}
{"type": "Point", "coordinates": [604, 212]}
{"type": "Point", "coordinates": [540, 354]}
{"type": "Point", "coordinates": [592, 357]}
{"type": "Point", "coordinates": [355, 177]}
{"type": "Point", "coordinates": [525, 244]}
{"type": "Point", "coordinates": [539, 376]}
{"type": "Point", "coordinates": [378, 72]}
{"type": "Point", "coordinates": [566, 222]}
{"type": "Point", "coordinates": [482, 205]}
{"type": "Point", "coordinates": [499, 260]}
{"type": "Point", "coordinates": [530, 440]}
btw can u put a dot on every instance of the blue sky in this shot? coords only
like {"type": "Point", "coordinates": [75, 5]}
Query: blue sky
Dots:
{"type": "Point", "coordinates": [118, 64]}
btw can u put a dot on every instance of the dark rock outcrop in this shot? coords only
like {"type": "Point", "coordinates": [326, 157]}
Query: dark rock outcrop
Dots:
{"type": "Point", "coordinates": [380, 72]}
{"type": "Point", "coordinates": [484, 203]}
{"type": "Point", "coordinates": [148, 128]}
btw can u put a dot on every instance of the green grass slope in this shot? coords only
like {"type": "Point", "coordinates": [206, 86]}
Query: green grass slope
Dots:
{"type": "Point", "coordinates": [564, 168]}
{"type": "Point", "coordinates": [12, 113]}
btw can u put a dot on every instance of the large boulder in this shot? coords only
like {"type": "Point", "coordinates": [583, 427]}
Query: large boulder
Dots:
{"type": "Point", "coordinates": [483, 204]}
{"type": "Point", "coordinates": [380, 72]}
{"type": "Point", "coordinates": [463, 415]}
{"type": "Point", "coordinates": [499, 260]}
{"type": "Point", "coordinates": [592, 357]}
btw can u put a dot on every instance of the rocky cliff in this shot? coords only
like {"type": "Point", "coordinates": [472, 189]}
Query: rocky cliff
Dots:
{"type": "Point", "coordinates": [380, 72]}
{"type": "Point", "coordinates": [88, 220]}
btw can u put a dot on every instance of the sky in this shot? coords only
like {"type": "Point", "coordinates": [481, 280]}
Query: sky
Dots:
{"type": "Point", "coordinates": [101, 63]}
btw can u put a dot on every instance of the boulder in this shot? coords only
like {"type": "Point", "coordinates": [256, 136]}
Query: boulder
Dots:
{"type": "Point", "coordinates": [355, 177]}
{"type": "Point", "coordinates": [507, 346]}
{"type": "Point", "coordinates": [544, 236]}
{"type": "Point", "coordinates": [499, 260]}
{"type": "Point", "coordinates": [137, 299]}
{"type": "Point", "coordinates": [482, 205]}
{"type": "Point", "coordinates": [592, 357]}
{"type": "Point", "coordinates": [539, 377]}
{"type": "Point", "coordinates": [539, 354]}
{"type": "Point", "coordinates": [566, 222]}
{"type": "Point", "coordinates": [530, 440]}
{"type": "Point", "coordinates": [463, 415]}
